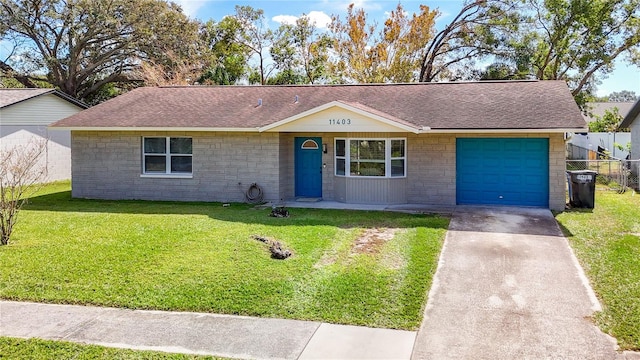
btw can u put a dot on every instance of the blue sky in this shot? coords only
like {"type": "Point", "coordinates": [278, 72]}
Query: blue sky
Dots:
{"type": "Point", "coordinates": [624, 77]}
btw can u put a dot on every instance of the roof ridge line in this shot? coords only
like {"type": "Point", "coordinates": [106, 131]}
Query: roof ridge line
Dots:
{"type": "Point", "coordinates": [350, 85]}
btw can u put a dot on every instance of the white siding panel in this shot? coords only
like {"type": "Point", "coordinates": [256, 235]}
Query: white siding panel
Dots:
{"type": "Point", "coordinates": [57, 158]}
{"type": "Point", "coordinates": [40, 110]}
{"type": "Point", "coordinates": [635, 142]}
{"type": "Point", "coordinates": [376, 191]}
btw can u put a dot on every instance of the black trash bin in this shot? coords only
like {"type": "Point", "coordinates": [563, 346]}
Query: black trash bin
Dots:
{"type": "Point", "coordinates": [582, 188]}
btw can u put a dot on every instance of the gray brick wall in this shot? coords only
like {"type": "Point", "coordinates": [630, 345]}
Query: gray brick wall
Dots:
{"type": "Point", "coordinates": [432, 167]}
{"type": "Point", "coordinates": [107, 165]}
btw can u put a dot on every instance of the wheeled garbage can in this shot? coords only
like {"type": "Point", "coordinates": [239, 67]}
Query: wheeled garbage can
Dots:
{"type": "Point", "coordinates": [582, 188]}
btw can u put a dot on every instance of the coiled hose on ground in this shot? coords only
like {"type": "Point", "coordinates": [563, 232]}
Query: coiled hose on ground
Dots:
{"type": "Point", "coordinates": [254, 194]}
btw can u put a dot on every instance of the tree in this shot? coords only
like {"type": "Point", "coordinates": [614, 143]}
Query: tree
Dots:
{"type": "Point", "coordinates": [623, 96]}
{"type": "Point", "coordinates": [300, 53]}
{"type": "Point", "coordinates": [503, 71]}
{"type": "Point", "coordinates": [177, 71]}
{"type": "Point", "coordinates": [608, 122]}
{"type": "Point", "coordinates": [481, 29]}
{"type": "Point", "coordinates": [228, 59]}
{"type": "Point", "coordinates": [21, 173]}
{"type": "Point", "coordinates": [256, 37]}
{"type": "Point", "coordinates": [83, 45]}
{"type": "Point", "coordinates": [575, 40]}
{"type": "Point", "coordinates": [393, 54]}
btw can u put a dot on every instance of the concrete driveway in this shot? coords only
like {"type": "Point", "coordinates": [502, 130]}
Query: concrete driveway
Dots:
{"type": "Point", "coordinates": [509, 287]}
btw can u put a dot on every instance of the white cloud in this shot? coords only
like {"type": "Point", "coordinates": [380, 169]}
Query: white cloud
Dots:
{"type": "Point", "coordinates": [404, 12]}
{"type": "Point", "coordinates": [342, 5]}
{"type": "Point", "coordinates": [319, 18]}
{"type": "Point", "coordinates": [285, 19]}
{"type": "Point", "coordinates": [190, 7]}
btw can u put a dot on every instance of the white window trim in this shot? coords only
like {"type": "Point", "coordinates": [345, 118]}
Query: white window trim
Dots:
{"type": "Point", "coordinates": [387, 160]}
{"type": "Point", "coordinates": [388, 148]}
{"type": "Point", "coordinates": [167, 174]}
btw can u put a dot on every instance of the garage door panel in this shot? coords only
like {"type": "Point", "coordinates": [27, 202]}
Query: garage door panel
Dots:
{"type": "Point", "coordinates": [533, 180]}
{"type": "Point", "coordinates": [490, 179]}
{"type": "Point", "coordinates": [513, 146]}
{"type": "Point", "coordinates": [513, 162]}
{"type": "Point", "coordinates": [513, 171]}
{"type": "Point", "coordinates": [512, 179]}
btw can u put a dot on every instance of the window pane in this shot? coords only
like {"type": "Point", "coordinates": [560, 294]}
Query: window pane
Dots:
{"type": "Point", "coordinates": [181, 164]}
{"type": "Point", "coordinates": [340, 147]}
{"type": "Point", "coordinates": [340, 166]}
{"type": "Point", "coordinates": [367, 169]}
{"type": "Point", "coordinates": [367, 149]}
{"type": "Point", "coordinates": [309, 144]}
{"type": "Point", "coordinates": [180, 145]}
{"type": "Point", "coordinates": [155, 163]}
{"type": "Point", "coordinates": [397, 148]}
{"type": "Point", "coordinates": [155, 145]}
{"type": "Point", "coordinates": [397, 167]}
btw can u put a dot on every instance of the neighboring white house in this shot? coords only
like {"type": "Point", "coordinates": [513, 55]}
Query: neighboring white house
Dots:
{"type": "Point", "coordinates": [591, 142]}
{"type": "Point", "coordinates": [596, 110]}
{"type": "Point", "coordinates": [26, 113]}
{"type": "Point", "coordinates": [587, 145]}
{"type": "Point", "coordinates": [632, 121]}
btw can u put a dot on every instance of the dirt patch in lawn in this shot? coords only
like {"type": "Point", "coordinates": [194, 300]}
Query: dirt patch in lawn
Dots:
{"type": "Point", "coordinates": [372, 240]}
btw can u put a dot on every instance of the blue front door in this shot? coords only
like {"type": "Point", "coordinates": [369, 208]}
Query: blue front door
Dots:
{"type": "Point", "coordinates": [308, 168]}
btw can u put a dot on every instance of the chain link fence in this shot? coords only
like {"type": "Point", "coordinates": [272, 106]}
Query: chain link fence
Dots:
{"type": "Point", "coordinates": [618, 175]}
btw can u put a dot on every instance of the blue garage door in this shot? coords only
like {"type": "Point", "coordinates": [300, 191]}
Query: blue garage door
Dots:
{"type": "Point", "coordinates": [502, 171]}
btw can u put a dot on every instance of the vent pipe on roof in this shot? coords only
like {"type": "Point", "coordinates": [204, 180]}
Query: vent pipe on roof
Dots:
{"type": "Point", "coordinates": [296, 100]}
{"type": "Point", "coordinates": [259, 103]}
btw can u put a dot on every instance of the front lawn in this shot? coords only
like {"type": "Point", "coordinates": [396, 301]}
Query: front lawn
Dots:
{"type": "Point", "coordinates": [11, 348]}
{"type": "Point", "coordinates": [201, 257]}
{"type": "Point", "coordinates": [607, 243]}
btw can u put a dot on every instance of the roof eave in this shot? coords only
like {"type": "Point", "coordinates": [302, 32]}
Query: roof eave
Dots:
{"type": "Point", "coordinates": [151, 128]}
{"type": "Point", "coordinates": [55, 92]}
{"type": "Point", "coordinates": [631, 116]}
{"type": "Point", "coordinates": [70, 99]}
{"type": "Point", "coordinates": [424, 130]}
{"type": "Point", "coordinates": [511, 131]}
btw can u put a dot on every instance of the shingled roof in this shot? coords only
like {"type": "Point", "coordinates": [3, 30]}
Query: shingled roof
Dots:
{"type": "Point", "coordinates": [631, 116]}
{"type": "Point", "coordinates": [13, 96]}
{"type": "Point", "coordinates": [500, 105]}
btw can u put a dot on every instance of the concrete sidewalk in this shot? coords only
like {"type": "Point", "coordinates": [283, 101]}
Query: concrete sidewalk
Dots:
{"type": "Point", "coordinates": [204, 334]}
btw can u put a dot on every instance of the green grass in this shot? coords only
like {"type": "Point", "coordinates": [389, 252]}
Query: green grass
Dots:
{"type": "Point", "coordinates": [11, 348]}
{"type": "Point", "coordinates": [200, 257]}
{"type": "Point", "coordinates": [607, 243]}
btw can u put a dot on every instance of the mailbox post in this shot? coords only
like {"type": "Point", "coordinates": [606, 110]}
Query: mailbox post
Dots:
{"type": "Point", "coordinates": [582, 188]}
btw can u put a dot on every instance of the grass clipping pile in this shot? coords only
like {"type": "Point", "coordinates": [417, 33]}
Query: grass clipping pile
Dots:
{"type": "Point", "coordinates": [277, 252]}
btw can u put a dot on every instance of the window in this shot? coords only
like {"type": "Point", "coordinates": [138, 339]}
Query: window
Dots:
{"type": "Point", "coordinates": [310, 144]}
{"type": "Point", "coordinates": [370, 157]}
{"type": "Point", "coordinates": [167, 155]}
{"type": "Point", "coordinates": [341, 156]}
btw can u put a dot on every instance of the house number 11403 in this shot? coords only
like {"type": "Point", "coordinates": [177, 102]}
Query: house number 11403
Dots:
{"type": "Point", "coordinates": [339, 121]}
